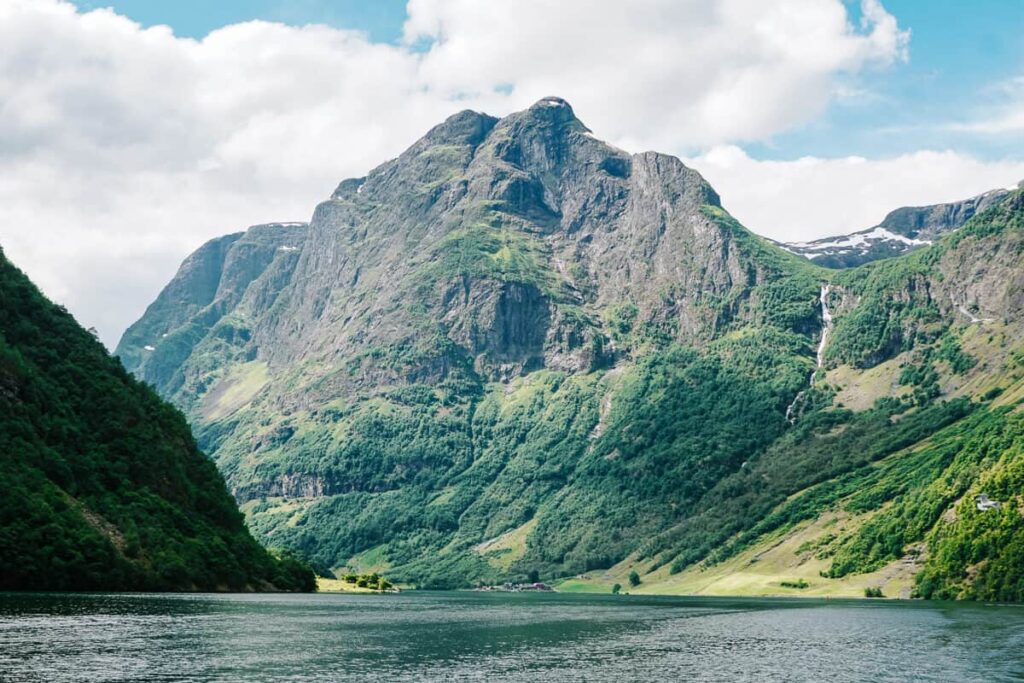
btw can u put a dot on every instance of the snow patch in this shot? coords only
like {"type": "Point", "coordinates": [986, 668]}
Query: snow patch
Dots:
{"type": "Point", "coordinates": [881, 233]}
{"type": "Point", "coordinates": [858, 240]}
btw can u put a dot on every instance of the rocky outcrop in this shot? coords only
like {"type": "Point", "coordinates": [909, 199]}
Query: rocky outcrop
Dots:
{"type": "Point", "coordinates": [982, 276]}
{"type": "Point", "coordinates": [931, 222]}
{"type": "Point", "coordinates": [225, 283]}
{"type": "Point", "coordinates": [505, 232]}
{"type": "Point", "coordinates": [285, 486]}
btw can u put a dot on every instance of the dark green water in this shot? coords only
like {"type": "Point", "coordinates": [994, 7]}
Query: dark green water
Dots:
{"type": "Point", "coordinates": [500, 637]}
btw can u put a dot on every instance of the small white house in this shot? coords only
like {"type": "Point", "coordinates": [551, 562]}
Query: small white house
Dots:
{"type": "Point", "coordinates": [983, 502]}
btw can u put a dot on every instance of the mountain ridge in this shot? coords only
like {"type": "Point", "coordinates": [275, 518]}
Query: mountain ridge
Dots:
{"type": "Point", "coordinates": [901, 231]}
{"type": "Point", "coordinates": [517, 350]}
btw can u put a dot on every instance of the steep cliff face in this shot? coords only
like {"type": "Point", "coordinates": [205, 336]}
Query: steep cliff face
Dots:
{"type": "Point", "coordinates": [487, 250]}
{"type": "Point", "coordinates": [207, 307]}
{"type": "Point", "coordinates": [902, 231]}
{"type": "Point", "coordinates": [516, 347]}
{"type": "Point", "coordinates": [972, 278]}
{"type": "Point", "coordinates": [506, 233]}
{"type": "Point", "coordinates": [931, 222]}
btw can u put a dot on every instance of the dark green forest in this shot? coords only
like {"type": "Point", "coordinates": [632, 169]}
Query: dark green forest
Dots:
{"type": "Point", "coordinates": [104, 487]}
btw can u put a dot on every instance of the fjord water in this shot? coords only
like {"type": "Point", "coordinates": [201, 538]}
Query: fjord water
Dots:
{"type": "Point", "coordinates": [513, 637]}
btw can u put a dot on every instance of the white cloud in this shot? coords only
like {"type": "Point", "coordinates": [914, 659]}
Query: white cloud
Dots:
{"type": "Point", "coordinates": [811, 197]}
{"type": "Point", "coordinates": [1004, 116]}
{"type": "Point", "coordinates": [122, 149]}
{"type": "Point", "coordinates": [663, 74]}
{"type": "Point", "coordinates": [1010, 121]}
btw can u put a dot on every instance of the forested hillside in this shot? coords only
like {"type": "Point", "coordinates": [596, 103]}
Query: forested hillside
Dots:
{"type": "Point", "coordinates": [103, 485]}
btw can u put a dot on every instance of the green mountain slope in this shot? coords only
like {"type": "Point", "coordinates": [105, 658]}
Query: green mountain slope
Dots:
{"type": "Point", "coordinates": [941, 426]}
{"type": "Point", "coordinates": [103, 485]}
{"type": "Point", "coordinates": [516, 349]}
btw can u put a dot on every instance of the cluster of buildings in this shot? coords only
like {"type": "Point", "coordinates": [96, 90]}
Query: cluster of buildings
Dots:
{"type": "Point", "coordinates": [517, 587]}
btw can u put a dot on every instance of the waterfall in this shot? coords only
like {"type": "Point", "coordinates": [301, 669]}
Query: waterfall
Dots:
{"type": "Point", "coordinates": [826, 327]}
{"type": "Point", "coordinates": [975, 320]}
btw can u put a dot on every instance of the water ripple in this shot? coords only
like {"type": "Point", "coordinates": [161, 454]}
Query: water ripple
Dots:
{"type": "Point", "coordinates": [492, 637]}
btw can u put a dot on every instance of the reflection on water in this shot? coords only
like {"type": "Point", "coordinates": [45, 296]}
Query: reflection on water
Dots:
{"type": "Point", "coordinates": [487, 637]}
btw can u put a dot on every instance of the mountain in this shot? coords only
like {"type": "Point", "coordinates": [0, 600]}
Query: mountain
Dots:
{"type": "Point", "coordinates": [208, 287]}
{"type": "Point", "coordinates": [103, 485]}
{"type": "Point", "coordinates": [902, 231]}
{"type": "Point", "coordinates": [518, 351]}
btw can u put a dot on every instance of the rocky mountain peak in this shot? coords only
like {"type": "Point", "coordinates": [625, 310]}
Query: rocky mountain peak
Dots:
{"type": "Point", "coordinates": [539, 139]}
{"type": "Point", "coordinates": [467, 127]}
{"type": "Point", "coordinates": [515, 327]}
{"type": "Point", "coordinates": [552, 103]}
{"type": "Point", "coordinates": [553, 111]}
{"type": "Point", "coordinates": [512, 235]}
{"type": "Point", "coordinates": [928, 222]}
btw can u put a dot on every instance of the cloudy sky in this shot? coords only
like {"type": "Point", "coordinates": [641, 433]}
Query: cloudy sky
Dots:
{"type": "Point", "coordinates": [131, 131]}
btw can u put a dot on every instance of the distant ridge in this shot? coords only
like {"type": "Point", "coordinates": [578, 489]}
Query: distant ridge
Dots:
{"type": "Point", "coordinates": [902, 231]}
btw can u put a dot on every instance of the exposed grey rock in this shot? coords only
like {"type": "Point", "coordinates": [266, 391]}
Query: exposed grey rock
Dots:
{"type": "Point", "coordinates": [902, 231]}
{"type": "Point", "coordinates": [232, 275]}
{"type": "Point", "coordinates": [487, 250]}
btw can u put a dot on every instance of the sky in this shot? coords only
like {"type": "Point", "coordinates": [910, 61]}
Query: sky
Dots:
{"type": "Point", "coordinates": [132, 131]}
